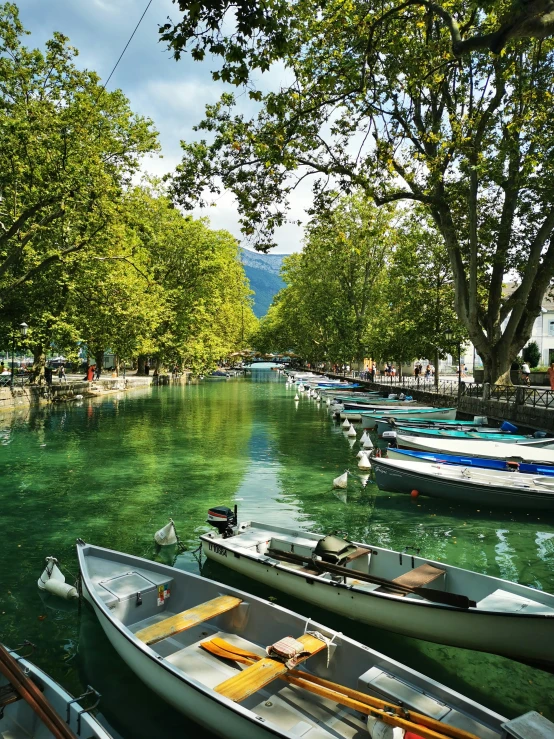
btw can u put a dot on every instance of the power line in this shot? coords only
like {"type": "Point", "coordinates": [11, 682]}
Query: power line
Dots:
{"type": "Point", "coordinates": [126, 46]}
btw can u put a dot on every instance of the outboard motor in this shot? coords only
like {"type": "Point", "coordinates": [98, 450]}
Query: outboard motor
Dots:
{"type": "Point", "coordinates": [223, 519]}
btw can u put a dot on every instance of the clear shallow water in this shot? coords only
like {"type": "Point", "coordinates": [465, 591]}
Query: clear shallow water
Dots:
{"type": "Point", "coordinates": [112, 471]}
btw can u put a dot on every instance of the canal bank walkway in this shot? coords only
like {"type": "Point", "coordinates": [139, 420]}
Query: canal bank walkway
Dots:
{"type": "Point", "coordinates": [529, 407]}
{"type": "Point", "coordinates": [74, 387]}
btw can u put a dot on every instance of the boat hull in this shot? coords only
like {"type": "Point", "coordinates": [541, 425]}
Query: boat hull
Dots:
{"type": "Point", "coordinates": [498, 633]}
{"type": "Point", "coordinates": [400, 480]}
{"type": "Point", "coordinates": [493, 449]}
{"type": "Point", "coordinates": [196, 704]}
{"type": "Point", "coordinates": [444, 414]}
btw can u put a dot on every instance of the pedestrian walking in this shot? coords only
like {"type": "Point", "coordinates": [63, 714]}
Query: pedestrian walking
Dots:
{"type": "Point", "coordinates": [97, 372]}
{"type": "Point", "coordinates": [525, 373]}
{"type": "Point", "coordinates": [147, 369]}
{"type": "Point", "coordinates": [61, 373]}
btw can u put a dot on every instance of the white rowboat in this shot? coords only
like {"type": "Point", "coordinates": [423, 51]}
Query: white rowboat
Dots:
{"type": "Point", "coordinates": [158, 618]}
{"type": "Point", "coordinates": [472, 448]}
{"type": "Point", "coordinates": [507, 618]}
{"type": "Point", "coordinates": [67, 716]}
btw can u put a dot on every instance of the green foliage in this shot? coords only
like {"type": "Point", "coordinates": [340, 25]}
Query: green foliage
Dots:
{"type": "Point", "coordinates": [395, 100]}
{"type": "Point", "coordinates": [84, 256]}
{"type": "Point", "coordinates": [333, 287]}
{"type": "Point", "coordinates": [418, 296]}
{"type": "Point", "coordinates": [532, 354]}
{"type": "Point", "coordinates": [67, 148]}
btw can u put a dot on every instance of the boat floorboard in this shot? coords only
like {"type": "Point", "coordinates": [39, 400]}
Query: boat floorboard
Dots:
{"type": "Point", "coordinates": [289, 707]}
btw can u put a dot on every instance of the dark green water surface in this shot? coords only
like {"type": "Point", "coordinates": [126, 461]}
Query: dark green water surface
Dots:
{"type": "Point", "coordinates": [112, 471]}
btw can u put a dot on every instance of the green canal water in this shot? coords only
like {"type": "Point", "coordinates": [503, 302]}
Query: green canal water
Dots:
{"type": "Point", "coordinates": [113, 470]}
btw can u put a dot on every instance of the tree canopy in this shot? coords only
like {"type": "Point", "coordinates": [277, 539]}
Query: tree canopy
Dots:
{"type": "Point", "coordinates": [404, 101]}
{"type": "Point", "coordinates": [86, 257]}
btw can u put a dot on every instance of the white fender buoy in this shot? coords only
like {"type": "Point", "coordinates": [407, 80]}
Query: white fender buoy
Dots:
{"type": "Point", "coordinates": [53, 581]}
{"type": "Point", "coordinates": [360, 454]}
{"type": "Point", "coordinates": [364, 479]}
{"type": "Point", "coordinates": [363, 437]}
{"type": "Point", "coordinates": [328, 401]}
{"type": "Point", "coordinates": [166, 535]}
{"type": "Point", "coordinates": [297, 397]}
{"type": "Point", "coordinates": [368, 444]}
{"type": "Point", "coordinates": [351, 432]}
{"type": "Point", "coordinates": [364, 463]}
{"type": "Point", "coordinates": [378, 729]}
{"type": "Point", "coordinates": [318, 398]}
{"type": "Point", "coordinates": [78, 397]}
{"type": "Point", "coordinates": [341, 481]}
{"type": "Point", "coordinates": [346, 424]}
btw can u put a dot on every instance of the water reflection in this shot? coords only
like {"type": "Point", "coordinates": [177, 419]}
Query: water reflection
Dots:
{"type": "Point", "coordinates": [114, 470]}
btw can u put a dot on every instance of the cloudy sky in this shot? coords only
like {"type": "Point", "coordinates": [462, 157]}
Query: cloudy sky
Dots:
{"type": "Point", "coordinates": [172, 93]}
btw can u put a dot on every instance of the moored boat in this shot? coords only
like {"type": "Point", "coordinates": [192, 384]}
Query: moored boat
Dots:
{"type": "Point", "coordinates": [229, 660]}
{"type": "Point", "coordinates": [458, 459]}
{"type": "Point", "coordinates": [408, 594]}
{"type": "Point", "coordinates": [507, 437]}
{"type": "Point", "coordinates": [492, 449]}
{"type": "Point", "coordinates": [369, 419]}
{"type": "Point", "coordinates": [465, 484]}
{"type": "Point", "coordinates": [391, 423]}
{"type": "Point", "coordinates": [34, 706]}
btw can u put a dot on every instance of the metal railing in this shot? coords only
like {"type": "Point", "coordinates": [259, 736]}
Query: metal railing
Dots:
{"type": "Point", "coordinates": [510, 394]}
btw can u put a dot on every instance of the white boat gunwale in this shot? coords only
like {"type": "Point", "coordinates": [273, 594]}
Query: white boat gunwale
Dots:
{"type": "Point", "coordinates": [87, 718]}
{"type": "Point", "coordinates": [275, 564]}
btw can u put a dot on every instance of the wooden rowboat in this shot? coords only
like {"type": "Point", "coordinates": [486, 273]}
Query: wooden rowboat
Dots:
{"type": "Point", "coordinates": [33, 706]}
{"type": "Point", "coordinates": [407, 594]}
{"type": "Point", "coordinates": [225, 658]}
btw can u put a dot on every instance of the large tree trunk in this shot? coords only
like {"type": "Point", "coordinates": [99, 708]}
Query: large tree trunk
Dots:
{"type": "Point", "coordinates": [99, 360]}
{"type": "Point", "coordinates": [141, 362]}
{"type": "Point", "coordinates": [497, 365]}
{"type": "Point", "coordinates": [39, 363]}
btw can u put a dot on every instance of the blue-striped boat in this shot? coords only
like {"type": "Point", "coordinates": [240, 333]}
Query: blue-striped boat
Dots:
{"type": "Point", "coordinates": [488, 464]}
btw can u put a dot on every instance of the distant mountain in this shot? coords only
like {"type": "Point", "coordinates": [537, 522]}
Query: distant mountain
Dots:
{"type": "Point", "coordinates": [262, 271]}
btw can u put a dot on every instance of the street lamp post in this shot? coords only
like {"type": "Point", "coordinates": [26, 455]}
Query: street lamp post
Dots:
{"type": "Point", "coordinates": [23, 328]}
{"type": "Point", "coordinates": [449, 336]}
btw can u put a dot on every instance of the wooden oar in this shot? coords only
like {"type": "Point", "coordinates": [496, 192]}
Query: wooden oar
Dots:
{"type": "Point", "coordinates": [430, 594]}
{"type": "Point", "coordinates": [366, 704]}
{"type": "Point", "coordinates": [27, 689]}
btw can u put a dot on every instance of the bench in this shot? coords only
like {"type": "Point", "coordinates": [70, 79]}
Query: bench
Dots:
{"type": "Point", "coordinates": [419, 576]}
{"type": "Point", "coordinates": [254, 678]}
{"type": "Point", "coordinates": [187, 619]}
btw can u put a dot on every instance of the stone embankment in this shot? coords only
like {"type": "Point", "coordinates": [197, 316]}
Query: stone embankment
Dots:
{"type": "Point", "coordinates": [21, 396]}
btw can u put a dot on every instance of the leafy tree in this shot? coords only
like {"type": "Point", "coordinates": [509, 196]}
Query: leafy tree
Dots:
{"type": "Point", "coordinates": [67, 148]}
{"type": "Point", "coordinates": [206, 312]}
{"type": "Point", "coordinates": [333, 287]}
{"type": "Point", "coordinates": [532, 354]}
{"type": "Point", "coordinates": [418, 297]}
{"type": "Point", "coordinates": [405, 101]}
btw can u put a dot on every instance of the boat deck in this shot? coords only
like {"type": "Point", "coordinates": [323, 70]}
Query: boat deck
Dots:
{"type": "Point", "coordinates": [289, 707]}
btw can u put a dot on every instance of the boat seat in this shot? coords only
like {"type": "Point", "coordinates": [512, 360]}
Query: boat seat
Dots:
{"type": "Point", "coordinates": [8, 695]}
{"type": "Point", "coordinates": [419, 576]}
{"type": "Point", "coordinates": [504, 601]}
{"type": "Point", "coordinates": [254, 678]}
{"type": "Point", "coordinates": [187, 619]}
